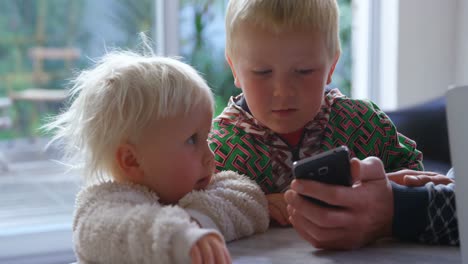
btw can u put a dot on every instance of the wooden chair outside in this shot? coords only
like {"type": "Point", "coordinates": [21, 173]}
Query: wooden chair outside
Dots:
{"type": "Point", "coordinates": [38, 56]}
{"type": "Point", "coordinates": [36, 95]}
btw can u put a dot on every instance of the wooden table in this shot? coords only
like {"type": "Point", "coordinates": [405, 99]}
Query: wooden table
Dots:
{"type": "Point", "coordinates": [284, 245]}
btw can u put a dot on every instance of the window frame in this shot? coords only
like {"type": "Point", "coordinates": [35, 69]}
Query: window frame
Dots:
{"type": "Point", "coordinates": [375, 51]}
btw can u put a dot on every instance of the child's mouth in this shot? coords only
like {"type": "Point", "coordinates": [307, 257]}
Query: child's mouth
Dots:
{"type": "Point", "coordinates": [284, 112]}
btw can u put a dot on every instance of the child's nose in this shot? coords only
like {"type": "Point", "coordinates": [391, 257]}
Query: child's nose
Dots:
{"type": "Point", "coordinates": [283, 87]}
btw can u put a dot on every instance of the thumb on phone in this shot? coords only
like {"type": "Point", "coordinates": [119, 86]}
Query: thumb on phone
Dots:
{"type": "Point", "coordinates": [368, 169]}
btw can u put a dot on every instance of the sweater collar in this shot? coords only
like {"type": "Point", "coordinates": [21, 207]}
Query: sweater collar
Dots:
{"type": "Point", "coordinates": [246, 118]}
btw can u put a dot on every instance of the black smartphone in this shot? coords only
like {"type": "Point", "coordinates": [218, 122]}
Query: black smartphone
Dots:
{"type": "Point", "coordinates": [331, 167]}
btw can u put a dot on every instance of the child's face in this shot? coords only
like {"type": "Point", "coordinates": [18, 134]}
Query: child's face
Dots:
{"type": "Point", "coordinates": [174, 155]}
{"type": "Point", "coordinates": [282, 75]}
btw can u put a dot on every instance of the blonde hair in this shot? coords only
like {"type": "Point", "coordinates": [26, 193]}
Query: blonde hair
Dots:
{"type": "Point", "coordinates": [279, 15]}
{"type": "Point", "coordinates": [117, 98]}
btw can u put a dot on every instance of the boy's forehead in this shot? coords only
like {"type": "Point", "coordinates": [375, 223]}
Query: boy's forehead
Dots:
{"type": "Point", "coordinates": [256, 40]}
{"type": "Point", "coordinates": [273, 26]}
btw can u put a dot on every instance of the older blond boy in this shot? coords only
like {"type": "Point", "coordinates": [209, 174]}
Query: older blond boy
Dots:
{"type": "Point", "coordinates": [282, 55]}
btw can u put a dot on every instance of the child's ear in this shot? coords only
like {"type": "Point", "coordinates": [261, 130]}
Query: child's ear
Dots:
{"type": "Point", "coordinates": [332, 68]}
{"type": "Point", "coordinates": [231, 65]}
{"type": "Point", "coordinates": [128, 163]}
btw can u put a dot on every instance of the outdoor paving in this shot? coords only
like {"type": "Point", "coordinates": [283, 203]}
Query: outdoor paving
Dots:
{"type": "Point", "coordinates": [36, 192]}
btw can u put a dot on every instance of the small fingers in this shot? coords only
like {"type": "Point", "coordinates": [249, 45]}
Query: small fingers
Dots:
{"type": "Point", "coordinates": [276, 215]}
{"type": "Point", "coordinates": [223, 253]}
{"type": "Point", "coordinates": [217, 247]}
{"type": "Point", "coordinates": [283, 210]}
{"type": "Point", "coordinates": [207, 251]}
{"type": "Point", "coordinates": [420, 180]}
{"type": "Point", "coordinates": [227, 256]}
{"type": "Point", "coordinates": [195, 255]}
{"type": "Point", "coordinates": [277, 208]}
{"type": "Point", "coordinates": [414, 178]}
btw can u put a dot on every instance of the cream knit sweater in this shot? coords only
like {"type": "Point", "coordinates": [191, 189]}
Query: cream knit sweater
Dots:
{"type": "Point", "coordinates": [125, 223]}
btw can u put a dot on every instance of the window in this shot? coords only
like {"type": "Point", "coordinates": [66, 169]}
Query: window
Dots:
{"type": "Point", "coordinates": [42, 44]}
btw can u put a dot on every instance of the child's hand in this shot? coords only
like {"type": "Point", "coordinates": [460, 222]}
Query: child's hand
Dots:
{"type": "Point", "coordinates": [413, 178]}
{"type": "Point", "coordinates": [277, 209]}
{"type": "Point", "coordinates": [210, 249]}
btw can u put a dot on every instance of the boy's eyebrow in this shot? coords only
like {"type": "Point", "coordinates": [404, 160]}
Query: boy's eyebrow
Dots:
{"type": "Point", "coordinates": [309, 63]}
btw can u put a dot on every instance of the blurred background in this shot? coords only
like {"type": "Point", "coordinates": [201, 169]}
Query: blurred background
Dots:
{"type": "Point", "coordinates": [396, 53]}
{"type": "Point", "coordinates": [43, 42]}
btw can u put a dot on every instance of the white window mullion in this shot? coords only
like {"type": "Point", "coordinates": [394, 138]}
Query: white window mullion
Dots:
{"type": "Point", "coordinates": [167, 27]}
{"type": "Point", "coordinates": [360, 48]}
{"type": "Point", "coordinates": [375, 51]}
{"type": "Point", "coordinates": [388, 54]}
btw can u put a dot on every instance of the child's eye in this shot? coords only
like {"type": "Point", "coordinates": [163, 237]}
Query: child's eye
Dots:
{"type": "Point", "coordinates": [192, 140]}
{"type": "Point", "coordinates": [261, 72]}
{"type": "Point", "coordinates": [304, 71]}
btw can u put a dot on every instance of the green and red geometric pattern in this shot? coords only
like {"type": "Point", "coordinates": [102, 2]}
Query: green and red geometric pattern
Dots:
{"type": "Point", "coordinates": [242, 144]}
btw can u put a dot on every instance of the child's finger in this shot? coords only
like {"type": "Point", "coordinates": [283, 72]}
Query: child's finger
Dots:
{"type": "Point", "coordinates": [417, 179]}
{"type": "Point", "coordinates": [414, 181]}
{"type": "Point", "coordinates": [276, 215]}
{"type": "Point", "coordinates": [217, 256]}
{"type": "Point", "coordinates": [397, 178]}
{"type": "Point", "coordinates": [206, 252]}
{"type": "Point", "coordinates": [195, 255]}
{"type": "Point", "coordinates": [218, 249]}
{"type": "Point", "coordinates": [282, 207]}
{"type": "Point", "coordinates": [420, 180]}
{"type": "Point", "coordinates": [227, 256]}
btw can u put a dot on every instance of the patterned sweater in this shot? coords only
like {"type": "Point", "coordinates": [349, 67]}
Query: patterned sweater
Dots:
{"type": "Point", "coordinates": [242, 144]}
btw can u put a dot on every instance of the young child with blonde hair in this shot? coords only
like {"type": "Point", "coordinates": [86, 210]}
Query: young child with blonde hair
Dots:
{"type": "Point", "coordinates": [282, 55]}
{"type": "Point", "coordinates": [138, 126]}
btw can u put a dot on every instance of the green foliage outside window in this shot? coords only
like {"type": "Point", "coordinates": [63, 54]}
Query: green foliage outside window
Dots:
{"type": "Point", "coordinates": [30, 23]}
{"type": "Point", "coordinates": [27, 24]}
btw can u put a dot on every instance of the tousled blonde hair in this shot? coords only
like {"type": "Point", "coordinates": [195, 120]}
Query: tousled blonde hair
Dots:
{"type": "Point", "coordinates": [115, 99]}
{"type": "Point", "coordinates": [279, 15]}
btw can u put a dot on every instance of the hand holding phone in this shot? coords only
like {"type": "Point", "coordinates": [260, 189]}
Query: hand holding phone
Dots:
{"type": "Point", "coordinates": [331, 167]}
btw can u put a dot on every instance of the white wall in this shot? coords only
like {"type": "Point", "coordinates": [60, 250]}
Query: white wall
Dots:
{"type": "Point", "coordinates": [428, 48]}
{"type": "Point", "coordinates": [461, 77]}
